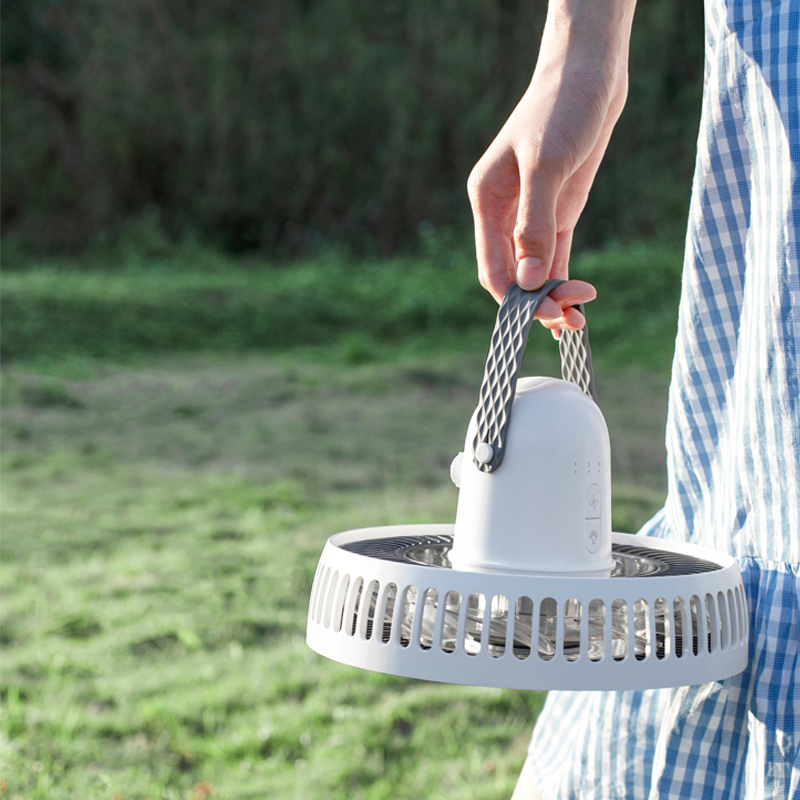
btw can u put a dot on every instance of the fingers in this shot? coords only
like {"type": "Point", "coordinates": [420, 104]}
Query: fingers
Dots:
{"type": "Point", "coordinates": [531, 272]}
{"type": "Point", "coordinates": [493, 189]}
{"type": "Point", "coordinates": [495, 259]}
{"type": "Point", "coordinates": [535, 231]}
{"type": "Point", "coordinates": [556, 310]}
{"type": "Point", "coordinates": [572, 293]}
{"type": "Point", "coordinates": [570, 319]}
{"type": "Point", "coordinates": [560, 268]}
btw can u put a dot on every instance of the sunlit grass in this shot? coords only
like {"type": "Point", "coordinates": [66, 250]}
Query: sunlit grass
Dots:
{"type": "Point", "coordinates": [161, 528]}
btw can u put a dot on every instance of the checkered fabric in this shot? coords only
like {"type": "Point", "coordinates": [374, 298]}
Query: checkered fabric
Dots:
{"type": "Point", "coordinates": [733, 445]}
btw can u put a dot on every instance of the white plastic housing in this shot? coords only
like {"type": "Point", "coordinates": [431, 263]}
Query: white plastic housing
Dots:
{"type": "Point", "coordinates": [547, 507]}
{"type": "Point", "coordinates": [517, 631]}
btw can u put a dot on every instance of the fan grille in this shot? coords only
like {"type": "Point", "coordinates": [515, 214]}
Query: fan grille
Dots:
{"type": "Point", "coordinates": [359, 608]}
{"type": "Point", "coordinates": [379, 601]}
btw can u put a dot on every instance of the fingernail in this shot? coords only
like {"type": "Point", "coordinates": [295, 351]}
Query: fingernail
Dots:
{"type": "Point", "coordinates": [531, 273]}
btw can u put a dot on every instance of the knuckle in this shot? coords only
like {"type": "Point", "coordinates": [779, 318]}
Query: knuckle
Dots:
{"type": "Point", "coordinates": [476, 186]}
{"type": "Point", "coordinates": [493, 282]}
{"type": "Point", "coordinates": [486, 278]}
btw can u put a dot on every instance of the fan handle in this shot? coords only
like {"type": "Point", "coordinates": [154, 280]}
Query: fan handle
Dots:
{"type": "Point", "coordinates": [506, 350]}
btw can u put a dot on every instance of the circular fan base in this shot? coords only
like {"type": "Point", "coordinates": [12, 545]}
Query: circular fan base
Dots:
{"type": "Point", "coordinates": [387, 599]}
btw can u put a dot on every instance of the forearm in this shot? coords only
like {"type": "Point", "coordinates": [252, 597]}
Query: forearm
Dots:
{"type": "Point", "coordinates": [531, 185]}
{"type": "Point", "coordinates": [587, 38]}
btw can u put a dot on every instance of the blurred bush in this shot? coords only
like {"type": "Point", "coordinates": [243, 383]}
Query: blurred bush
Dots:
{"type": "Point", "coordinates": [281, 125]}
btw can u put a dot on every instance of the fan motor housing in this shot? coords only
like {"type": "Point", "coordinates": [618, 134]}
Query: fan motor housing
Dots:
{"type": "Point", "coordinates": [547, 510]}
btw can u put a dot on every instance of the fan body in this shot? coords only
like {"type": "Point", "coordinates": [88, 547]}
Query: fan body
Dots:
{"type": "Point", "coordinates": [530, 589]}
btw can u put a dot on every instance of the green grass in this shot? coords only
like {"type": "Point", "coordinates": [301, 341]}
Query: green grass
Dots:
{"type": "Point", "coordinates": [163, 513]}
{"type": "Point", "coordinates": [161, 529]}
{"type": "Point", "coordinates": [192, 301]}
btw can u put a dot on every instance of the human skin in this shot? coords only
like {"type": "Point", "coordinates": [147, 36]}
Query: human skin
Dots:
{"type": "Point", "coordinates": [529, 188]}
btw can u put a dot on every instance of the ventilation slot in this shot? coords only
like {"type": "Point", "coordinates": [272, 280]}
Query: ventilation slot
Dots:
{"type": "Point", "coordinates": [663, 642]}
{"type": "Point", "coordinates": [740, 607]}
{"type": "Point", "coordinates": [732, 616]}
{"type": "Point", "coordinates": [429, 606]}
{"type": "Point", "coordinates": [679, 611]}
{"type": "Point", "coordinates": [321, 596]}
{"type": "Point", "coordinates": [498, 626]}
{"type": "Point", "coordinates": [409, 611]}
{"type": "Point", "coordinates": [523, 627]}
{"type": "Point", "coordinates": [694, 608]}
{"type": "Point", "coordinates": [338, 606]}
{"type": "Point", "coordinates": [597, 630]}
{"type": "Point", "coordinates": [326, 617]}
{"type": "Point", "coordinates": [389, 600]}
{"type": "Point", "coordinates": [619, 629]}
{"type": "Point", "coordinates": [369, 605]}
{"type": "Point", "coordinates": [641, 630]}
{"type": "Point", "coordinates": [724, 623]}
{"type": "Point", "coordinates": [312, 603]}
{"type": "Point", "coordinates": [548, 617]}
{"type": "Point", "coordinates": [452, 609]}
{"type": "Point", "coordinates": [476, 608]}
{"type": "Point", "coordinates": [353, 604]}
{"type": "Point", "coordinates": [572, 629]}
{"type": "Point", "coordinates": [713, 624]}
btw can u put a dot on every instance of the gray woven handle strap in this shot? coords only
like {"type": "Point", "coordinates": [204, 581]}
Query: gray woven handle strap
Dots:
{"type": "Point", "coordinates": [576, 358]}
{"type": "Point", "coordinates": [507, 348]}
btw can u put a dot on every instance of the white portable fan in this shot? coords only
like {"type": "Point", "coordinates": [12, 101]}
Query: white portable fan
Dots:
{"type": "Point", "coordinates": [530, 589]}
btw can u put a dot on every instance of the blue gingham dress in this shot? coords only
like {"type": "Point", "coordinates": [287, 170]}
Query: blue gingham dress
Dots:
{"type": "Point", "coordinates": [733, 444]}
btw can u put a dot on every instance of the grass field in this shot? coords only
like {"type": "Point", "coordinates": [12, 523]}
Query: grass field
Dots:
{"type": "Point", "coordinates": [162, 519]}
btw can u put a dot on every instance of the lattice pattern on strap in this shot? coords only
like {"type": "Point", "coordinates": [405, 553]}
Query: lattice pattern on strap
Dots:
{"type": "Point", "coordinates": [507, 348]}
{"type": "Point", "coordinates": [502, 368]}
{"type": "Point", "coordinates": [576, 359]}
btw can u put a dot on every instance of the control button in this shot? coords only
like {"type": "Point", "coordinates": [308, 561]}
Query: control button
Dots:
{"type": "Point", "coordinates": [593, 506]}
{"type": "Point", "coordinates": [593, 535]}
{"type": "Point", "coordinates": [455, 469]}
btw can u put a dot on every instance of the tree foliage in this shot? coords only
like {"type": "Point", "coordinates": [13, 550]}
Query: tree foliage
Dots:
{"type": "Point", "coordinates": [280, 124]}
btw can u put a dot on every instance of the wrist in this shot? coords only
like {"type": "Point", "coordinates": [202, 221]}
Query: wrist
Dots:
{"type": "Point", "coordinates": [589, 32]}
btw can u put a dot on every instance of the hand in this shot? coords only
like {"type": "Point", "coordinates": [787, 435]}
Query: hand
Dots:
{"type": "Point", "coordinates": [528, 190]}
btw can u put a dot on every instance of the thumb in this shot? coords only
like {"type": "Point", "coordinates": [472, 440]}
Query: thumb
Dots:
{"type": "Point", "coordinates": [535, 231]}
